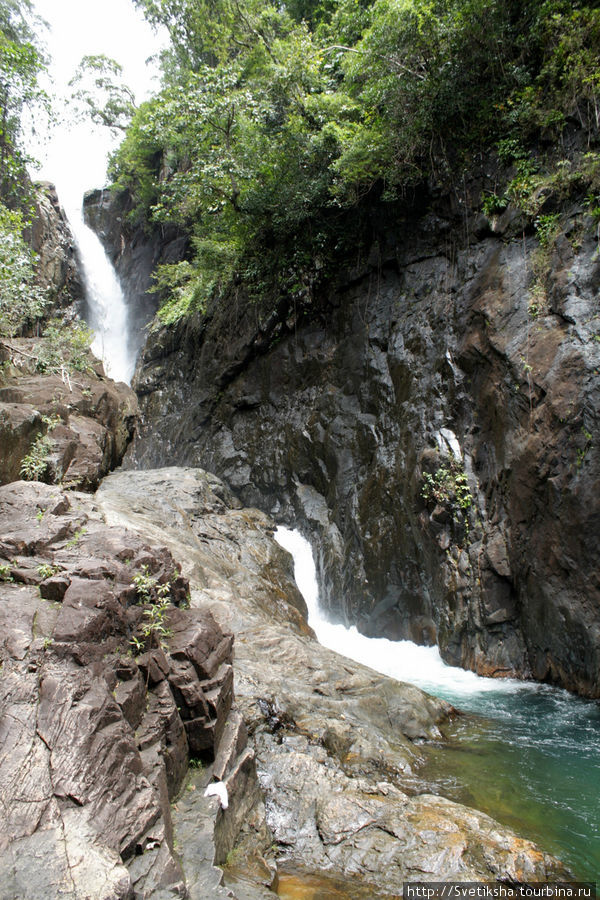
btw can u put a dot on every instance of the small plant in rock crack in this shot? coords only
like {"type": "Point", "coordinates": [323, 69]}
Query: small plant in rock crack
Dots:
{"type": "Point", "coordinates": [5, 573]}
{"type": "Point", "coordinates": [47, 571]}
{"type": "Point", "coordinates": [79, 533]}
{"type": "Point", "coordinates": [154, 631]}
{"type": "Point", "coordinates": [448, 485]}
{"type": "Point", "coordinates": [148, 588]}
{"type": "Point", "coordinates": [35, 463]}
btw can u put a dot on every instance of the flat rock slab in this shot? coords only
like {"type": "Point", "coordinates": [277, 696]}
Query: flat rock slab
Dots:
{"type": "Point", "coordinates": [335, 742]}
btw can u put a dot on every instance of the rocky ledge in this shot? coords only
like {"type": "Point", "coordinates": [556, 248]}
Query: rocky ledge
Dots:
{"type": "Point", "coordinates": [338, 747]}
{"type": "Point", "coordinates": [59, 425]}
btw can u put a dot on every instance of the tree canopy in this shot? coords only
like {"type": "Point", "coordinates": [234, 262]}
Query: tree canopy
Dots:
{"type": "Point", "coordinates": [275, 119]}
{"type": "Point", "coordinates": [21, 62]}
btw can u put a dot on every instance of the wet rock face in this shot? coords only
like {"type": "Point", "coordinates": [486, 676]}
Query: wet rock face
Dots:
{"type": "Point", "coordinates": [337, 746]}
{"type": "Point", "coordinates": [95, 739]}
{"type": "Point", "coordinates": [133, 254]}
{"type": "Point", "coordinates": [86, 420]}
{"type": "Point", "coordinates": [431, 430]}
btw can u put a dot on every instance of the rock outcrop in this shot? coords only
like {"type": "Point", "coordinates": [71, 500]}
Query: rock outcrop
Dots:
{"type": "Point", "coordinates": [338, 746]}
{"type": "Point", "coordinates": [51, 238]}
{"type": "Point", "coordinates": [60, 426]}
{"type": "Point", "coordinates": [96, 740]}
{"type": "Point", "coordinates": [430, 422]}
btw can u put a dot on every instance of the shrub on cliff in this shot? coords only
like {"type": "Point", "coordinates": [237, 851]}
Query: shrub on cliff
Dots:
{"type": "Point", "coordinates": [276, 118]}
{"type": "Point", "coordinates": [22, 301]}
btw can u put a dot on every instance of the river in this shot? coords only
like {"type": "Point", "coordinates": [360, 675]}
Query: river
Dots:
{"type": "Point", "coordinates": [525, 753]}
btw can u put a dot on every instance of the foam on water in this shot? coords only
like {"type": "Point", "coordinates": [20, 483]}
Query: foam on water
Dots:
{"type": "Point", "coordinates": [531, 761]}
{"type": "Point", "coordinates": [107, 309]}
{"type": "Point", "coordinates": [402, 660]}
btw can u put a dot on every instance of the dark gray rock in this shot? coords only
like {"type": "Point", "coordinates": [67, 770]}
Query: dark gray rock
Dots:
{"type": "Point", "coordinates": [363, 417]}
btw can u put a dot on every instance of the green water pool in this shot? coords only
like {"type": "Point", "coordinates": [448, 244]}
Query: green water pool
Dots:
{"type": "Point", "coordinates": [531, 759]}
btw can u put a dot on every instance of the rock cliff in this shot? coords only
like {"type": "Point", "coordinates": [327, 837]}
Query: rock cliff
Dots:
{"type": "Point", "coordinates": [134, 252]}
{"type": "Point", "coordinates": [431, 422]}
{"type": "Point", "coordinates": [51, 238]}
{"type": "Point", "coordinates": [61, 419]}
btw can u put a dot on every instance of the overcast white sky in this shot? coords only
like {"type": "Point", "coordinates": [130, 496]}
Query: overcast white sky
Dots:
{"type": "Point", "coordinates": [75, 158]}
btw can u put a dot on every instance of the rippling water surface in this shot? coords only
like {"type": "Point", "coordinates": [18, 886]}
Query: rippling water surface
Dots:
{"type": "Point", "coordinates": [527, 754]}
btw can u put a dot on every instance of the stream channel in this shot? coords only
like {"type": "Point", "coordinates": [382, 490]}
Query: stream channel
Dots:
{"type": "Point", "coordinates": [526, 754]}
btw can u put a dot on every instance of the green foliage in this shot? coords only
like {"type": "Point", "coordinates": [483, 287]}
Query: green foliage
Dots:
{"type": "Point", "coordinates": [6, 573]}
{"type": "Point", "coordinates": [100, 93]}
{"type": "Point", "coordinates": [547, 228]}
{"type": "Point", "coordinates": [45, 570]}
{"type": "Point", "coordinates": [74, 541]}
{"type": "Point", "coordinates": [492, 204]}
{"type": "Point", "coordinates": [65, 348]}
{"type": "Point", "coordinates": [148, 588]}
{"type": "Point", "coordinates": [22, 301]}
{"type": "Point", "coordinates": [20, 65]}
{"type": "Point", "coordinates": [155, 596]}
{"type": "Point", "coordinates": [448, 485]}
{"type": "Point", "coordinates": [34, 464]}
{"type": "Point", "coordinates": [276, 117]}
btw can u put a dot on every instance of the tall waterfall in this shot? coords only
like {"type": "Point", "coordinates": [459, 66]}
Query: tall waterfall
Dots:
{"type": "Point", "coordinates": [107, 311]}
{"type": "Point", "coordinates": [74, 158]}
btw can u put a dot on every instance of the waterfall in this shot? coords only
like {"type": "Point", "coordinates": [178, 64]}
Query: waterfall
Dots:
{"type": "Point", "coordinates": [107, 312]}
{"type": "Point", "coordinates": [402, 660]}
{"type": "Point", "coordinates": [531, 760]}
{"type": "Point", "coordinates": [74, 155]}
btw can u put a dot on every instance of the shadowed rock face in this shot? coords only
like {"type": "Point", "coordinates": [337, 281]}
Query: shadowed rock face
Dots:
{"type": "Point", "coordinates": [432, 434]}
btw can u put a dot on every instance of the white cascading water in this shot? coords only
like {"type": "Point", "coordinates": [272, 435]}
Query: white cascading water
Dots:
{"type": "Point", "coordinates": [75, 157]}
{"type": "Point", "coordinates": [536, 744]}
{"type": "Point", "coordinates": [402, 660]}
{"type": "Point", "coordinates": [108, 316]}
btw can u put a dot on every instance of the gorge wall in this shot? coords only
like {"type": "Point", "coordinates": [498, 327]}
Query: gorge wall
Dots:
{"type": "Point", "coordinates": [429, 421]}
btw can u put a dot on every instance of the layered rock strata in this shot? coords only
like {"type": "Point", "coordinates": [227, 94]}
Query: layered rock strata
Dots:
{"type": "Point", "coordinates": [100, 715]}
{"type": "Point", "coordinates": [73, 427]}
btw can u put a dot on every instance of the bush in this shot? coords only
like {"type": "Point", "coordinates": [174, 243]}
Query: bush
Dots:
{"type": "Point", "coordinates": [22, 301]}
